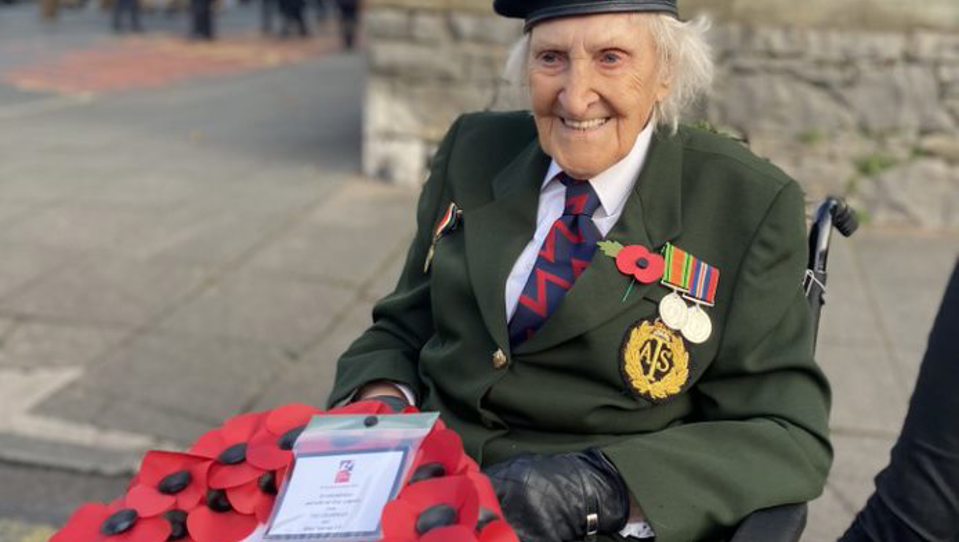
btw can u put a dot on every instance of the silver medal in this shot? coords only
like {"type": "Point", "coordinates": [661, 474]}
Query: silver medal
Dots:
{"type": "Point", "coordinates": [673, 311]}
{"type": "Point", "coordinates": [698, 326]}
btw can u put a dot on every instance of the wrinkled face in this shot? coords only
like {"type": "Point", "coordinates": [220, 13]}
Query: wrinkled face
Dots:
{"type": "Point", "coordinates": [594, 81]}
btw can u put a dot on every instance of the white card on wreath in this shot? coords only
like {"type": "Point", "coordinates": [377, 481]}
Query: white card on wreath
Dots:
{"type": "Point", "coordinates": [337, 496]}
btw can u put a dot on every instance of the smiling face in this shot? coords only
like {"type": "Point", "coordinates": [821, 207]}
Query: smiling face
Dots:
{"type": "Point", "coordinates": [594, 81]}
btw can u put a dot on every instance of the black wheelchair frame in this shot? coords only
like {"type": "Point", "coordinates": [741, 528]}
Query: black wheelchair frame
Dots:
{"type": "Point", "coordinates": [786, 523]}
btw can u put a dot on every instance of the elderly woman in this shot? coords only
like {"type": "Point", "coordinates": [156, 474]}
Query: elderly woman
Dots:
{"type": "Point", "coordinates": [605, 305]}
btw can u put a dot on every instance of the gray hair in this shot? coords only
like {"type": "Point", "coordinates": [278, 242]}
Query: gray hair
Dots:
{"type": "Point", "coordinates": [685, 59]}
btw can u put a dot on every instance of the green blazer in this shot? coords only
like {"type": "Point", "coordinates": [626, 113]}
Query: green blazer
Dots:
{"type": "Point", "coordinates": [749, 428]}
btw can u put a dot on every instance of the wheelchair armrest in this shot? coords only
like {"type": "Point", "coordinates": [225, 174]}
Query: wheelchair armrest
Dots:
{"type": "Point", "coordinates": [778, 524]}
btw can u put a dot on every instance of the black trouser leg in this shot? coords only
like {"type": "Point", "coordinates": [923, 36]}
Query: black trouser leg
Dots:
{"type": "Point", "coordinates": [917, 495]}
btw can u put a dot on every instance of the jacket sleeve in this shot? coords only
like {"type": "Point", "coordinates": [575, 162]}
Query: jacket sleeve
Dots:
{"type": "Point", "coordinates": [760, 437]}
{"type": "Point", "coordinates": [403, 320]}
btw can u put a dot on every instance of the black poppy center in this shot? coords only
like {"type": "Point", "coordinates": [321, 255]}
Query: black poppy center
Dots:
{"type": "Point", "coordinates": [175, 483]}
{"type": "Point", "coordinates": [486, 517]}
{"type": "Point", "coordinates": [267, 483]}
{"type": "Point", "coordinates": [216, 500]}
{"type": "Point", "coordinates": [233, 455]}
{"type": "Point", "coordinates": [177, 520]}
{"type": "Point", "coordinates": [441, 515]}
{"type": "Point", "coordinates": [642, 263]}
{"type": "Point", "coordinates": [120, 522]}
{"type": "Point", "coordinates": [428, 471]}
{"type": "Point", "coordinates": [288, 439]}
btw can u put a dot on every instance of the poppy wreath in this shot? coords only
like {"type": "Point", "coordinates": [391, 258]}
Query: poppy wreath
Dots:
{"type": "Point", "coordinates": [224, 487]}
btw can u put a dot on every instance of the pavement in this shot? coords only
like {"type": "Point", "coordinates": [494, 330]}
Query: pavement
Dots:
{"type": "Point", "coordinates": [182, 244]}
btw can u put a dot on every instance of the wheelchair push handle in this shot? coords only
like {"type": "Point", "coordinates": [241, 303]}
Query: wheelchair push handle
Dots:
{"type": "Point", "coordinates": [833, 212]}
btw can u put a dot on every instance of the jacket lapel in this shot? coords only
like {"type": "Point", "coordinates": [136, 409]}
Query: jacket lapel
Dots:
{"type": "Point", "coordinates": [652, 216]}
{"type": "Point", "coordinates": [497, 232]}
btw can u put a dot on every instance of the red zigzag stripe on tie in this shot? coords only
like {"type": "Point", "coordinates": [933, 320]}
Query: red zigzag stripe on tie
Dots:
{"type": "Point", "coordinates": [540, 305]}
{"type": "Point", "coordinates": [578, 267]}
{"type": "Point", "coordinates": [576, 204]}
{"type": "Point", "coordinates": [549, 247]}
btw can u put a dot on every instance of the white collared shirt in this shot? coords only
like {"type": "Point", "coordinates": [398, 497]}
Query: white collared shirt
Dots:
{"type": "Point", "coordinates": [613, 187]}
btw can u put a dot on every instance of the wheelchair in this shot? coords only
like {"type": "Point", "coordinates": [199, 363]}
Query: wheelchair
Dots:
{"type": "Point", "coordinates": [786, 523]}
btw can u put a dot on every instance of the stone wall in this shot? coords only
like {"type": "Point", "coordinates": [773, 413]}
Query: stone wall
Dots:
{"type": "Point", "coordinates": [428, 64]}
{"type": "Point", "coordinates": [872, 116]}
{"type": "Point", "coordinates": [869, 114]}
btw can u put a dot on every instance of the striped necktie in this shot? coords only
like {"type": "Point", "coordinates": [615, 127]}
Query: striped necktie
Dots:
{"type": "Point", "coordinates": [566, 252]}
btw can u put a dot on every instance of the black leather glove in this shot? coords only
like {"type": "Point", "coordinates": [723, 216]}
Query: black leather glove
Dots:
{"type": "Point", "coordinates": [550, 498]}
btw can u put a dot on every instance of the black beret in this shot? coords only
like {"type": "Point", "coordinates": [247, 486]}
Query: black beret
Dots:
{"type": "Point", "coordinates": [535, 11]}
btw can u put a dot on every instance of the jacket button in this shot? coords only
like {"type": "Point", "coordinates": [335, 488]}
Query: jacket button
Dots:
{"type": "Point", "coordinates": [499, 359]}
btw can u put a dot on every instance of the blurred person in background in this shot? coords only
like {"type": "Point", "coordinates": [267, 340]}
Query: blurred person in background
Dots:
{"type": "Point", "coordinates": [267, 9]}
{"type": "Point", "coordinates": [293, 15]}
{"type": "Point", "coordinates": [349, 21]}
{"type": "Point", "coordinates": [123, 9]}
{"type": "Point", "coordinates": [322, 11]}
{"type": "Point", "coordinates": [201, 20]}
{"type": "Point", "coordinates": [49, 9]}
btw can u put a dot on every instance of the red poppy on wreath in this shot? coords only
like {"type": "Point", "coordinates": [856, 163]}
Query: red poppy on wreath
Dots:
{"type": "Point", "coordinates": [227, 446]}
{"type": "Point", "coordinates": [491, 526]}
{"type": "Point", "coordinates": [643, 265]}
{"type": "Point", "coordinates": [271, 448]}
{"type": "Point", "coordinates": [116, 522]}
{"type": "Point", "coordinates": [440, 454]}
{"type": "Point", "coordinates": [257, 497]}
{"type": "Point", "coordinates": [217, 521]}
{"type": "Point", "coordinates": [175, 480]}
{"type": "Point", "coordinates": [438, 504]}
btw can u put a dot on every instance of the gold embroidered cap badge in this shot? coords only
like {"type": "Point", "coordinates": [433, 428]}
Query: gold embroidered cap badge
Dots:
{"type": "Point", "coordinates": [654, 360]}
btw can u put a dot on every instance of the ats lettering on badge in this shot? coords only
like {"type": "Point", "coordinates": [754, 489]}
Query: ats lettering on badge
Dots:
{"type": "Point", "coordinates": [654, 361]}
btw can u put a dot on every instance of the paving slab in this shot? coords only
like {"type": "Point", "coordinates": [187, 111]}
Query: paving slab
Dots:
{"type": "Point", "coordinates": [907, 275]}
{"type": "Point", "coordinates": [829, 517]}
{"type": "Point", "coordinates": [385, 281]}
{"type": "Point", "coordinates": [206, 237]}
{"type": "Point", "coordinates": [348, 238]}
{"type": "Point", "coordinates": [22, 265]}
{"type": "Point", "coordinates": [867, 396]}
{"type": "Point", "coordinates": [107, 291]}
{"type": "Point", "coordinates": [201, 379]}
{"type": "Point", "coordinates": [70, 225]}
{"type": "Point", "coordinates": [38, 344]}
{"type": "Point", "coordinates": [311, 379]}
{"type": "Point", "coordinates": [288, 313]}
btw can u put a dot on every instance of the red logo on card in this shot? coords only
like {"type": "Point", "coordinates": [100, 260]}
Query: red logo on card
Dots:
{"type": "Point", "coordinates": [344, 472]}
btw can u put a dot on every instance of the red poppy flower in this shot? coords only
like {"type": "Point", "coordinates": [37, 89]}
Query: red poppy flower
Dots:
{"type": "Point", "coordinates": [175, 479]}
{"type": "Point", "coordinates": [112, 523]}
{"type": "Point", "coordinates": [218, 521]}
{"type": "Point", "coordinates": [257, 497]}
{"type": "Point", "coordinates": [640, 263]}
{"type": "Point", "coordinates": [440, 454]}
{"type": "Point", "coordinates": [487, 496]}
{"type": "Point", "coordinates": [497, 531]}
{"type": "Point", "coordinates": [271, 447]}
{"type": "Point", "coordinates": [227, 446]}
{"type": "Point", "coordinates": [177, 520]}
{"type": "Point", "coordinates": [490, 526]}
{"type": "Point", "coordinates": [432, 504]}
